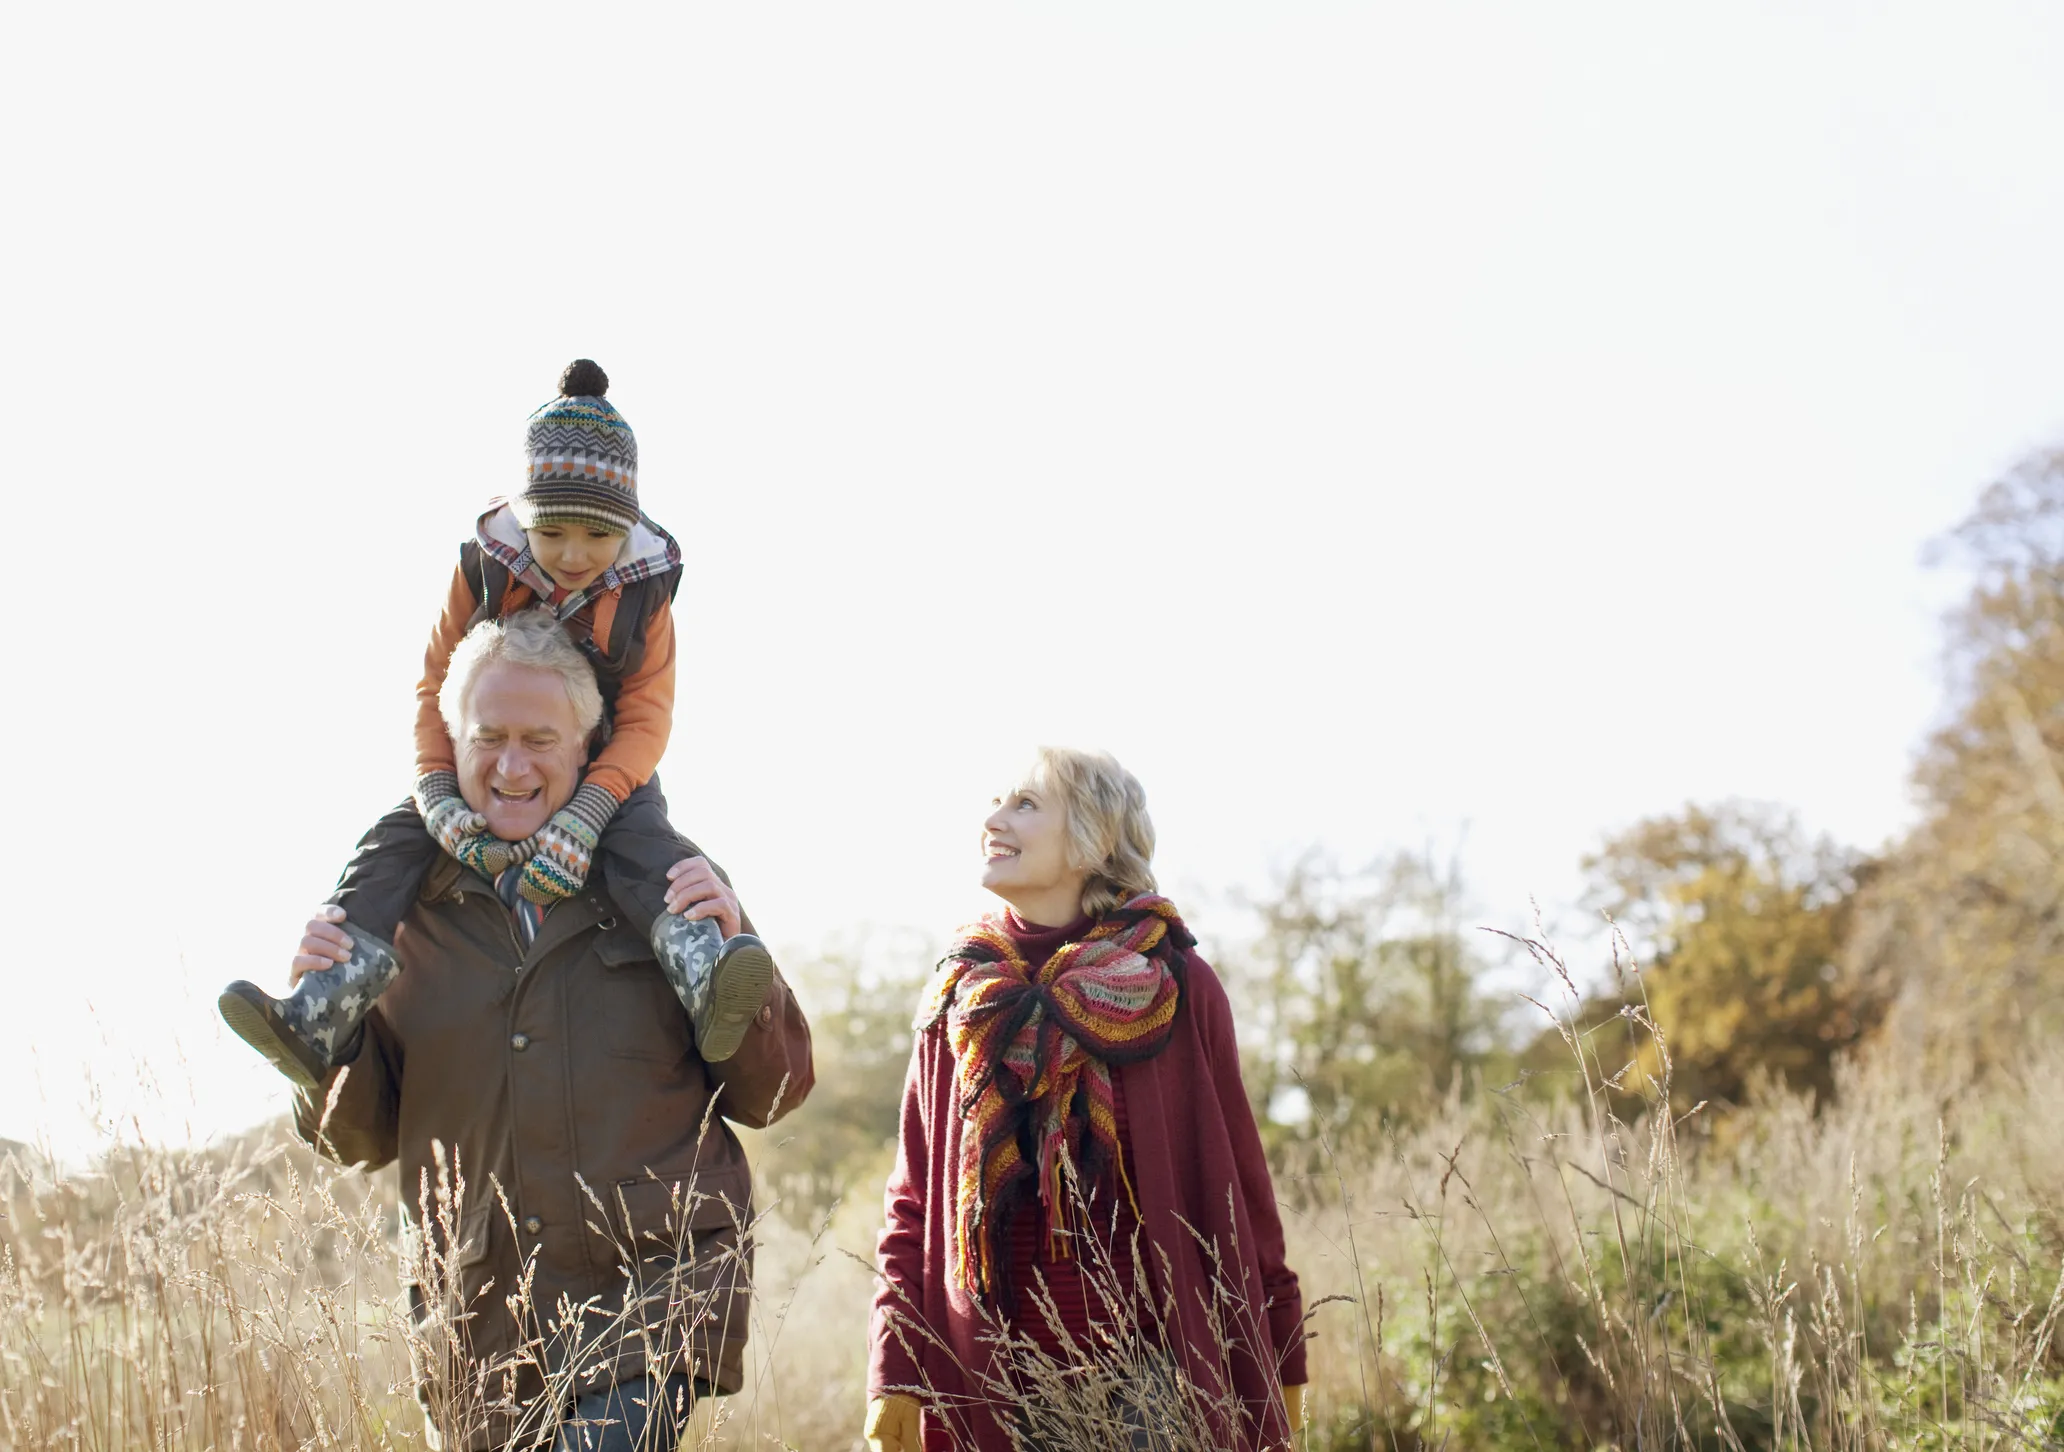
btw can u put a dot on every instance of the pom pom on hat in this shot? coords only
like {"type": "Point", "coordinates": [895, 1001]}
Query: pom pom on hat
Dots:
{"type": "Point", "coordinates": [583, 378]}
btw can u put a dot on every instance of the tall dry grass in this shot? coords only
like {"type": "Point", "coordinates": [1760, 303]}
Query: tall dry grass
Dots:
{"type": "Point", "coordinates": [1562, 1262]}
{"type": "Point", "coordinates": [1578, 1266]}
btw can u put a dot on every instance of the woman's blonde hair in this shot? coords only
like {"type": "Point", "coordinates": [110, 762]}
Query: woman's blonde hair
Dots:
{"type": "Point", "coordinates": [1109, 831]}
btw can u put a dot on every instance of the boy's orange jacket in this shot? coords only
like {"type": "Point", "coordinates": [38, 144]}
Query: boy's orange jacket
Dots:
{"type": "Point", "coordinates": [624, 623]}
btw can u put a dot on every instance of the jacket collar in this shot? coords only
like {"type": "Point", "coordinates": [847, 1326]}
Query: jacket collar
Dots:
{"type": "Point", "coordinates": [648, 552]}
{"type": "Point", "coordinates": [449, 877]}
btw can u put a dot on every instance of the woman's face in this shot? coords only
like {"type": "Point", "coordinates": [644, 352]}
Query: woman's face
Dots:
{"type": "Point", "coordinates": [1025, 857]}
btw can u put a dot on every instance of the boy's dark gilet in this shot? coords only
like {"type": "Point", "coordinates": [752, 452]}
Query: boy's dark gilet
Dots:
{"type": "Point", "coordinates": [614, 659]}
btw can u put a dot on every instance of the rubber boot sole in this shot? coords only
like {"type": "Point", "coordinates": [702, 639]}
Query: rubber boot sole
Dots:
{"type": "Point", "coordinates": [248, 1011]}
{"type": "Point", "coordinates": [738, 986]}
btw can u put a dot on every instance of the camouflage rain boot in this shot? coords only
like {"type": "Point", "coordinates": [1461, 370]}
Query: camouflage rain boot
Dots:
{"type": "Point", "coordinates": [301, 1032]}
{"type": "Point", "coordinates": [720, 981]}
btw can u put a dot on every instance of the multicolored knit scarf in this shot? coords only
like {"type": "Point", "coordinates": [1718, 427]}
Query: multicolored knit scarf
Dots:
{"type": "Point", "coordinates": [1032, 1059]}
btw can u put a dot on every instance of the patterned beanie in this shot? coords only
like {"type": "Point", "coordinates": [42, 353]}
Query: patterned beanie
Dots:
{"type": "Point", "coordinates": [582, 459]}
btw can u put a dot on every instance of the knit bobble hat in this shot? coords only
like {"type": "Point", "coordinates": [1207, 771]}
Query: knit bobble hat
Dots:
{"type": "Point", "coordinates": [581, 456]}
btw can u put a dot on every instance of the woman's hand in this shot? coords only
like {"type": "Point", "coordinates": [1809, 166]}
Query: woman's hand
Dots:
{"type": "Point", "coordinates": [891, 1424]}
{"type": "Point", "coordinates": [324, 945]}
{"type": "Point", "coordinates": [1293, 1403]}
{"type": "Point", "coordinates": [695, 891]}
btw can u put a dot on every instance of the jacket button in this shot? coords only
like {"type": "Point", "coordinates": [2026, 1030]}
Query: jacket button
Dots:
{"type": "Point", "coordinates": [765, 1017]}
{"type": "Point", "coordinates": [519, 1042]}
{"type": "Point", "coordinates": [532, 1224]}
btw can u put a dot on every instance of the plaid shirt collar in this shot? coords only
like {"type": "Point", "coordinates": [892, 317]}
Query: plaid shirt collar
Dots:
{"type": "Point", "coordinates": [650, 552]}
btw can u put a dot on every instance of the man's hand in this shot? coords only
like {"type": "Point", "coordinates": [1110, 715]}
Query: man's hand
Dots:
{"type": "Point", "coordinates": [324, 945]}
{"type": "Point", "coordinates": [891, 1424]}
{"type": "Point", "coordinates": [695, 891]}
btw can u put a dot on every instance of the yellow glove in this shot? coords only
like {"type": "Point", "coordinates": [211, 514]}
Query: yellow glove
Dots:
{"type": "Point", "coordinates": [1293, 1402]}
{"type": "Point", "coordinates": [892, 1424]}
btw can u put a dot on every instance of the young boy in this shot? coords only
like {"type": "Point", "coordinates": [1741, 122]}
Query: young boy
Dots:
{"type": "Point", "coordinates": [575, 542]}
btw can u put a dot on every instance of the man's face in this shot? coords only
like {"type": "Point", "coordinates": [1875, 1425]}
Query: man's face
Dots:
{"type": "Point", "coordinates": [521, 749]}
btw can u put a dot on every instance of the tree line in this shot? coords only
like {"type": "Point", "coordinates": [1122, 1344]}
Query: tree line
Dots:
{"type": "Point", "coordinates": [1766, 954]}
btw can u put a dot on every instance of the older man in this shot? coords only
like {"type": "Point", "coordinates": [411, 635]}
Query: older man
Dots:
{"type": "Point", "coordinates": [576, 1202]}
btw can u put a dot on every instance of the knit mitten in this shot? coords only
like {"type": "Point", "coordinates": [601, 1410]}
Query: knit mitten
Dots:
{"type": "Point", "coordinates": [445, 812]}
{"type": "Point", "coordinates": [462, 832]}
{"type": "Point", "coordinates": [566, 847]}
{"type": "Point", "coordinates": [490, 856]}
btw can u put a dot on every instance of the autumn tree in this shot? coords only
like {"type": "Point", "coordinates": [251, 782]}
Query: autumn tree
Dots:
{"type": "Point", "coordinates": [1740, 921]}
{"type": "Point", "coordinates": [1966, 922]}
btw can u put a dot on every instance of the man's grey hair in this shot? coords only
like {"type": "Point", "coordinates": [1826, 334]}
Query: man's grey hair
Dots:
{"type": "Point", "coordinates": [533, 638]}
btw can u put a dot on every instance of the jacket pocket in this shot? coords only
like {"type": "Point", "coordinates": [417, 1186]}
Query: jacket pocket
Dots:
{"type": "Point", "coordinates": [636, 1014]}
{"type": "Point", "coordinates": [620, 945]}
{"type": "Point", "coordinates": [658, 1212]}
{"type": "Point", "coordinates": [440, 1286]}
{"type": "Point", "coordinates": [438, 1252]}
{"type": "Point", "coordinates": [692, 1304]}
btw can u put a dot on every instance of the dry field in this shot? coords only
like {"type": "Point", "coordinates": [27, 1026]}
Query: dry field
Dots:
{"type": "Point", "coordinates": [1558, 1264]}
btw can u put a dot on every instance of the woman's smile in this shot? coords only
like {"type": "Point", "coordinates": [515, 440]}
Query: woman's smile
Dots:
{"type": "Point", "coordinates": [1025, 857]}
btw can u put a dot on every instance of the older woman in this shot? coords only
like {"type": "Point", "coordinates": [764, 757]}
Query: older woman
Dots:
{"type": "Point", "coordinates": [1079, 1167]}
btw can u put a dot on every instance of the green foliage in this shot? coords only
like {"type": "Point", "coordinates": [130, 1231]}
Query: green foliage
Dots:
{"type": "Point", "coordinates": [1367, 999]}
{"type": "Point", "coordinates": [861, 996]}
{"type": "Point", "coordinates": [1545, 1272]}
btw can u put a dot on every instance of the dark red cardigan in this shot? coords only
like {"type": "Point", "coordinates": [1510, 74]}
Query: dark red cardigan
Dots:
{"type": "Point", "coordinates": [1195, 1158]}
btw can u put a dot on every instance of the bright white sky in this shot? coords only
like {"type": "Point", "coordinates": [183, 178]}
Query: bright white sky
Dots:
{"type": "Point", "coordinates": [1370, 422]}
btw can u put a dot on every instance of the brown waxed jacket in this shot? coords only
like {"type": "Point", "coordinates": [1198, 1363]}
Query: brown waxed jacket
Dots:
{"type": "Point", "coordinates": [561, 1087]}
